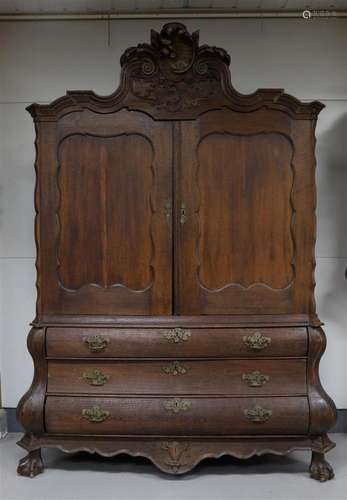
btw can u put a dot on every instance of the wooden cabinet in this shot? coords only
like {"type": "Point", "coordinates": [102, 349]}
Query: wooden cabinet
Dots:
{"type": "Point", "coordinates": [175, 231]}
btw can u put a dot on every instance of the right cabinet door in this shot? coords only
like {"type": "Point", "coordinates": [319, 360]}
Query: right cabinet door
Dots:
{"type": "Point", "coordinates": [245, 230]}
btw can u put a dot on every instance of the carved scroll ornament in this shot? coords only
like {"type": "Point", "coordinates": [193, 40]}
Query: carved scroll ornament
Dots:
{"type": "Point", "coordinates": [172, 72]}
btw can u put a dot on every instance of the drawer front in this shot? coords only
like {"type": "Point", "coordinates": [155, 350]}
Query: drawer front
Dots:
{"type": "Point", "coordinates": [177, 416]}
{"type": "Point", "coordinates": [217, 377]}
{"type": "Point", "coordinates": [176, 342]}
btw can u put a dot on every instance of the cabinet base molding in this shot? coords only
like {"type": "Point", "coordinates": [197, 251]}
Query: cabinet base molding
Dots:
{"type": "Point", "coordinates": [177, 455]}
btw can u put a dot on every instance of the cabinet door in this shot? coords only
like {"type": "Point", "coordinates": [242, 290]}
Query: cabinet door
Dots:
{"type": "Point", "coordinates": [245, 230]}
{"type": "Point", "coordinates": [107, 228]}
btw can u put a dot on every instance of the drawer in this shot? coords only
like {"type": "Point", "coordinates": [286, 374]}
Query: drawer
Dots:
{"type": "Point", "coordinates": [177, 416]}
{"type": "Point", "coordinates": [217, 377]}
{"type": "Point", "coordinates": [176, 342]}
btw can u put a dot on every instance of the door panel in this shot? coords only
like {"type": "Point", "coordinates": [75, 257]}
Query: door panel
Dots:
{"type": "Point", "coordinates": [238, 181]}
{"type": "Point", "coordinates": [115, 179]}
{"type": "Point", "coordinates": [111, 247]}
{"type": "Point", "coordinates": [245, 213]}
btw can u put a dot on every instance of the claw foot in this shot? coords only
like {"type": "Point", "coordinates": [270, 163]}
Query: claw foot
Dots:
{"type": "Point", "coordinates": [320, 469]}
{"type": "Point", "coordinates": [31, 464]}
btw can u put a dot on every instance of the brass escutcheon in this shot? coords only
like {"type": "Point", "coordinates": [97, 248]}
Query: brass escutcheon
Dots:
{"type": "Point", "coordinates": [258, 414]}
{"type": "Point", "coordinates": [178, 335]}
{"type": "Point", "coordinates": [95, 414]}
{"type": "Point", "coordinates": [176, 405]}
{"type": "Point", "coordinates": [255, 379]}
{"type": "Point", "coordinates": [175, 368]}
{"type": "Point", "coordinates": [183, 217]}
{"type": "Point", "coordinates": [168, 208]}
{"type": "Point", "coordinates": [256, 341]}
{"type": "Point", "coordinates": [96, 377]}
{"type": "Point", "coordinates": [96, 343]}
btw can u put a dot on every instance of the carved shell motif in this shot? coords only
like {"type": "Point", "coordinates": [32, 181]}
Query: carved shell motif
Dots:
{"type": "Point", "coordinates": [176, 454]}
{"type": "Point", "coordinates": [176, 47]}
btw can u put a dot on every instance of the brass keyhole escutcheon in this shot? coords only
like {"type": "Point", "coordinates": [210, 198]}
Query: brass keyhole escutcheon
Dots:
{"type": "Point", "coordinates": [178, 335]}
{"type": "Point", "coordinates": [183, 217]}
{"type": "Point", "coordinates": [177, 405]}
{"type": "Point", "coordinates": [168, 208]}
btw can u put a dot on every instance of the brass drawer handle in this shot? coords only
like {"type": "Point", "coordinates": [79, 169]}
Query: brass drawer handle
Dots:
{"type": "Point", "coordinates": [256, 341]}
{"type": "Point", "coordinates": [255, 379]}
{"type": "Point", "coordinates": [178, 335]}
{"type": "Point", "coordinates": [258, 414]}
{"type": "Point", "coordinates": [96, 343]}
{"type": "Point", "coordinates": [176, 405]}
{"type": "Point", "coordinates": [175, 368]}
{"type": "Point", "coordinates": [96, 377]}
{"type": "Point", "coordinates": [95, 414]}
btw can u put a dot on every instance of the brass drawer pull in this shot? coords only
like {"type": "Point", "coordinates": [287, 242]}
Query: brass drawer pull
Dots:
{"type": "Point", "coordinates": [96, 377]}
{"type": "Point", "coordinates": [176, 405]}
{"type": "Point", "coordinates": [95, 414]}
{"type": "Point", "coordinates": [255, 379]}
{"type": "Point", "coordinates": [178, 335]}
{"type": "Point", "coordinates": [258, 414]}
{"type": "Point", "coordinates": [96, 343]}
{"type": "Point", "coordinates": [175, 368]}
{"type": "Point", "coordinates": [256, 341]}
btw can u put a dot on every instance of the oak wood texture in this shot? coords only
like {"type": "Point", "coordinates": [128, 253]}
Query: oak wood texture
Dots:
{"type": "Point", "coordinates": [153, 343]}
{"type": "Point", "coordinates": [185, 376]}
{"type": "Point", "coordinates": [204, 416]}
{"type": "Point", "coordinates": [175, 233]}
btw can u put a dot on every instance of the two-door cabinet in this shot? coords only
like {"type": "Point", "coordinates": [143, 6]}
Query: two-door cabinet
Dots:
{"type": "Point", "coordinates": [175, 232]}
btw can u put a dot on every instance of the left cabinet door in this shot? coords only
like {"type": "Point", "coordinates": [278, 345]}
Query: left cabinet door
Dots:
{"type": "Point", "coordinates": [104, 214]}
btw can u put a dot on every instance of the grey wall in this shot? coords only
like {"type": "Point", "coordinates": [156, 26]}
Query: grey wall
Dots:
{"type": "Point", "coordinates": [39, 61]}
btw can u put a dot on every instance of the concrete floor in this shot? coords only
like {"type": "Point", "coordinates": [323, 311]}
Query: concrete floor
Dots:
{"type": "Point", "coordinates": [82, 476]}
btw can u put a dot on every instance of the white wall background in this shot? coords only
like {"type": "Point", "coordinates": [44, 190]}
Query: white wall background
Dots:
{"type": "Point", "coordinates": [40, 60]}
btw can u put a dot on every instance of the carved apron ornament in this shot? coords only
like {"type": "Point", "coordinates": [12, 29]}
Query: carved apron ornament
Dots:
{"type": "Point", "coordinates": [176, 452]}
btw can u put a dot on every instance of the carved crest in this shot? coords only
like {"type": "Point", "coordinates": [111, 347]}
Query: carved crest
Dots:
{"type": "Point", "coordinates": [174, 76]}
{"type": "Point", "coordinates": [176, 48]}
{"type": "Point", "coordinates": [173, 72]}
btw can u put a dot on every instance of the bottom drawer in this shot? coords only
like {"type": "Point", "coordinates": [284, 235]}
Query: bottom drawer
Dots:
{"type": "Point", "coordinates": [177, 416]}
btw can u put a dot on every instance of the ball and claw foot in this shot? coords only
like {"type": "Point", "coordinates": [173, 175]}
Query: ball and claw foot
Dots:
{"type": "Point", "coordinates": [320, 469]}
{"type": "Point", "coordinates": [31, 465]}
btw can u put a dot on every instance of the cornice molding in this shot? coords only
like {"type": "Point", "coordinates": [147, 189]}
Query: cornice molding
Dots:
{"type": "Point", "coordinates": [174, 77]}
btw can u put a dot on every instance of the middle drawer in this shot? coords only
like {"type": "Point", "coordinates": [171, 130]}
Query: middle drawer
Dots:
{"type": "Point", "coordinates": [216, 377]}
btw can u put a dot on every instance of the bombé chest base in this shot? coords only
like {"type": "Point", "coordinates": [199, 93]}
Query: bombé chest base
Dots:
{"type": "Point", "coordinates": [177, 390]}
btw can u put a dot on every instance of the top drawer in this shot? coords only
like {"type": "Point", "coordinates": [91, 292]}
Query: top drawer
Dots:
{"type": "Point", "coordinates": [176, 342]}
